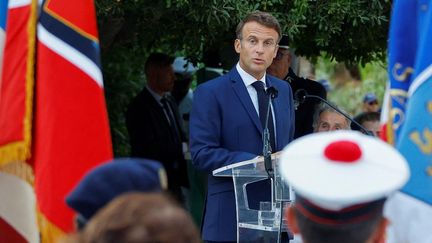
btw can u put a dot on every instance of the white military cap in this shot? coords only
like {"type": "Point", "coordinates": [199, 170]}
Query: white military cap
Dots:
{"type": "Point", "coordinates": [183, 67]}
{"type": "Point", "coordinates": [337, 170]}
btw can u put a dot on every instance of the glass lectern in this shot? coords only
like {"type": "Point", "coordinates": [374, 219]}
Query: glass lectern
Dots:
{"type": "Point", "coordinates": [265, 223]}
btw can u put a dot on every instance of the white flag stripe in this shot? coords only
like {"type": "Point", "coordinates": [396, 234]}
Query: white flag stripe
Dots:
{"type": "Point", "coordinates": [420, 79]}
{"type": "Point", "coordinates": [17, 206]}
{"type": "Point", "coordinates": [18, 3]}
{"type": "Point", "coordinates": [385, 108]}
{"type": "Point", "coordinates": [71, 54]}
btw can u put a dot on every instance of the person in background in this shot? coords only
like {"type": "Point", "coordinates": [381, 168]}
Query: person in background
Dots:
{"type": "Point", "coordinates": [370, 121]}
{"type": "Point", "coordinates": [370, 103]}
{"type": "Point", "coordinates": [139, 218]}
{"type": "Point", "coordinates": [213, 67]}
{"type": "Point", "coordinates": [228, 117]}
{"type": "Point", "coordinates": [341, 186]}
{"type": "Point", "coordinates": [183, 95]}
{"type": "Point", "coordinates": [328, 119]}
{"type": "Point", "coordinates": [281, 68]}
{"type": "Point", "coordinates": [109, 180]}
{"type": "Point", "coordinates": [154, 123]}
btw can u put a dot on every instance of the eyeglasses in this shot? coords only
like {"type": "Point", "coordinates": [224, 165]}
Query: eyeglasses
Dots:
{"type": "Point", "coordinates": [280, 55]}
{"type": "Point", "coordinates": [252, 42]}
{"type": "Point", "coordinates": [373, 103]}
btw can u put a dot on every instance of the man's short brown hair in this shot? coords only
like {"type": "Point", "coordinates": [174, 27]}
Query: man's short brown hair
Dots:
{"type": "Point", "coordinates": [158, 60]}
{"type": "Point", "coordinates": [262, 18]}
{"type": "Point", "coordinates": [138, 218]}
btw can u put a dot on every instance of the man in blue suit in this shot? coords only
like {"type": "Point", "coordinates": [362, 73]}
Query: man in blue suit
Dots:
{"type": "Point", "coordinates": [225, 125]}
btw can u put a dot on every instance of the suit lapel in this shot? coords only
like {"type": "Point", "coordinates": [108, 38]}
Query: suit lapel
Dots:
{"type": "Point", "coordinates": [155, 106]}
{"type": "Point", "coordinates": [243, 95]}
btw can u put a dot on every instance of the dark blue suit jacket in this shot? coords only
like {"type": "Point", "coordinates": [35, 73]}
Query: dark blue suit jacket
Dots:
{"type": "Point", "coordinates": [224, 129]}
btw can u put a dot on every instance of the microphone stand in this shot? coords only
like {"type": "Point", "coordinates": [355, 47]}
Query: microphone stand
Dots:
{"type": "Point", "coordinates": [267, 149]}
{"type": "Point", "coordinates": [306, 95]}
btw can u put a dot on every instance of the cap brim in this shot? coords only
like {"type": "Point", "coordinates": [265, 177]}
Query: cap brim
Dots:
{"type": "Point", "coordinates": [380, 171]}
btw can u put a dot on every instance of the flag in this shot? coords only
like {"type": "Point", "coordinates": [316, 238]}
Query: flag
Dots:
{"type": "Point", "coordinates": [404, 35]}
{"type": "Point", "coordinates": [410, 71]}
{"type": "Point", "coordinates": [384, 116]}
{"type": "Point", "coordinates": [17, 37]}
{"type": "Point", "coordinates": [413, 128]}
{"type": "Point", "coordinates": [71, 130]}
{"type": "Point", "coordinates": [415, 141]}
{"type": "Point", "coordinates": [53, 125]}
{"type": "Point", "coordinates": [17, 81]}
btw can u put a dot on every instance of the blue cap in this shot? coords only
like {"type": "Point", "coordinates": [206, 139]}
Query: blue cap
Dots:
{"type": "Point", "coordinates": [369, 97]}
{"type": "Point", "coordinates": [109, 180]}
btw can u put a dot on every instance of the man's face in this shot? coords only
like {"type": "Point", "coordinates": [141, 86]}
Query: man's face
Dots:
{"type": "Point", "coordinates": [257, 48]}
{"type": "Point", "coordinates": [281, 63]}
{"type": "Point", "coordinates": [165, 78]}
{"type": "Point", "coordinates": [372, 126]}
{"type": "Point", "coordinates": [331, 121]}
{"type": "Point", "coordinates": [371, 106]}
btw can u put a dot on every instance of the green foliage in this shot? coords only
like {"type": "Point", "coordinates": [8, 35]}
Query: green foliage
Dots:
{"type": "Point", "coordinates": [349, 95]}
{"type": "Point", "coordinates": [123, 79]}
{"type": "Point", "coordinates": [353, 31]}
{"type": "Point", "coordinates": [349, 30]}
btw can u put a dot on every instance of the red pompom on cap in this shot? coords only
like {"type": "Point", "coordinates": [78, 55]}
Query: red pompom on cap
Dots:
{"type": "Point", "coordinates": [343, 151]}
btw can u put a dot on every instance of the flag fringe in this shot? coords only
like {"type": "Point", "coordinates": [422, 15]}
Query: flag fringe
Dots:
{"type": "Point", "coordinates": [21, 150]}
{"type": "Point", "coordinates": [19, 169]}
{"type": "Point", "coordinates": [49, 232]}
{"type": "Point", "coordinates": [16, 151]}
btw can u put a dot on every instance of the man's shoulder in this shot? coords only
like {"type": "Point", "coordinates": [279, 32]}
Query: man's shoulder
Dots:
{"type": "Point", "coordinates": [274, 79]}
{"type": "Point", "coordinates": [140, 100]}
{"type": "Point", "coordinates": [141, 95]}
{"type": "Point", "coordinates": [311, 86]}
{"type": "Point", "coordinates": [279, 83]}
{"type": "Point", "coordinates": [219, 81]}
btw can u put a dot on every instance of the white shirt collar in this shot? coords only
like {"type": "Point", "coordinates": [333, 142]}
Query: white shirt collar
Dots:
{"type": "Point", "coordinates": [155, 95]}
{"type": "Point", "coordinates": [247, 78]}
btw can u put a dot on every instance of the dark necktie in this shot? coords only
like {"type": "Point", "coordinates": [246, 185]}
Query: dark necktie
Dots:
{"type": "Point", "coordinates": [263, 101]}
{"type": "Point", "coordinates": [171, 119]}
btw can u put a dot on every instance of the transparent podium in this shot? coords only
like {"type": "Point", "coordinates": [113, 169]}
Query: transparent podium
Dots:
{"type": "Point", "coordinates": [264, 223]}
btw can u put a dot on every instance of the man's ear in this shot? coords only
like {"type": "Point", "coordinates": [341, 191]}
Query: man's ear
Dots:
{"type": "Point", "coordinates": [152, 74]}
{"type": "Point", "coordinates": [289, 58]}
{"type": "Point", "coordinates": [379, 236]}
{"type": "Point", "coordinates": [275, 51]}
{"type": "Point", "coordinates": [237, 45]}
{"type": "Point", "coordinates": [292, 220]}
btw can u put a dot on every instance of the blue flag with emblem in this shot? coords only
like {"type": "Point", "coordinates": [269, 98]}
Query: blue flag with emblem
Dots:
{"type": "Point", "coordinates": [402, 52]}
{"type": "Point", "coordinates": [410, 71]}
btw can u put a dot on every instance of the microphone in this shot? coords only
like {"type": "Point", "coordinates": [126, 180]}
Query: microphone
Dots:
{"type": "Point", "coordinates": [299, 98]}
{"type": "Point", "coordinates": [301, 95]}
{"type": "Point", "coordinates": [272, 93]}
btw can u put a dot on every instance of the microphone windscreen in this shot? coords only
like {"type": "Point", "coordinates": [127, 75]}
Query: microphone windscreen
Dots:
{"type": "Point", "coordinates": [300, 95]}
{"type": "Point", "coordinates": [272, 91]}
